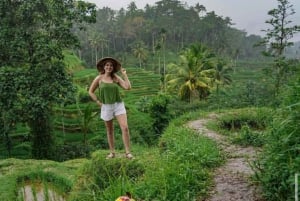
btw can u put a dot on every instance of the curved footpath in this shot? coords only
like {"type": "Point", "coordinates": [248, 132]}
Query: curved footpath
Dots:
{"type": "Point", "coordinates": [231, 179]}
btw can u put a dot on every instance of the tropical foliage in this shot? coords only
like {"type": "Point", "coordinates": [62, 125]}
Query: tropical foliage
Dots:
{"type": "Point", "coordinates": [167, 25]}
{"type": "Point", "coordinates": [34, 34]}
{"type": "Point", "coordinates": [196, 73]}
{"type": "Point", "coordinates": [277, 40]}
{"type": "Point", "coordinates": [280, 162]}
{"type": "Point", "coordinates": [45, 109]}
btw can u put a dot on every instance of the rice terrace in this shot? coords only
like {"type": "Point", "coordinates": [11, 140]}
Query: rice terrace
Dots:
{"type": "Point", "coordinates": [213, 112]}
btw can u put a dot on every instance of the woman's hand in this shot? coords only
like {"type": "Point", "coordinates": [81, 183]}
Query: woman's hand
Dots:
{"type": "Point", "coordinates": [123, 71]}
{"type": "Point", "coordinates": [125, 84]}
{"type": "Point", "coordinates": [99, 103]}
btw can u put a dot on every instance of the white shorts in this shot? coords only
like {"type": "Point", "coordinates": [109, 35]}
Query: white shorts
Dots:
{"type": "Point", "coordinates": [109, 111]}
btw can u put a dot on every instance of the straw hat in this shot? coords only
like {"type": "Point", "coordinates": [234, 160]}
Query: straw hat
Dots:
{"type": "Point", "coordinates": [126, 197]}
{"type": "Point", "coordinates": [101, 63]}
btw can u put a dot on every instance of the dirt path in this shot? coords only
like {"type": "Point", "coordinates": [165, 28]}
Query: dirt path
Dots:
{"type": "Point", "coordinates": [232, 179]}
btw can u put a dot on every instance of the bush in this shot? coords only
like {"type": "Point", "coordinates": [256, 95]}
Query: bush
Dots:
{"type": "Point", "coordinates": [71, 151]}
{"type": "Point", "coordinates": [158, 110]}
{"type": "Point", "coordinates": [83, 95]}
{"type": "Point", "coordinates": [98, 142]}
{"type": "Point", "coordinates": [254, 118]}
{"type": "Point", "coordinates": [141, 130]}
{"type": "Point", "coordinates": [280, 160]}
{"type": "Point", "coordinates": [247, 137]}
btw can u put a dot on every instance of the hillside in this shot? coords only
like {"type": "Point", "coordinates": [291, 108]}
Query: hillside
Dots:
{"type": "Point", "coordinates": [144, 83]}
{"type": "Point", "coordinates": [68, 119]}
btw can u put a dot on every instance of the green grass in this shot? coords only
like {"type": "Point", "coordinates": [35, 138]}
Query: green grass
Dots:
{"type": "Point", "coordinates": [14, 172]}
{"type": "Point", "coordinates": [246, 72]}
{"type": "Point", "coordinates": [73, 63]}
{"type": "Point", "coordinates": [245, 126]}
{"type": "Point", "coordinates": [180, 165]}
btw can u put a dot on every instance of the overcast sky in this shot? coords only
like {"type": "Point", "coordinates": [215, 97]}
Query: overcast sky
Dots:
{"type": "Point", "coordinates": [248, 15]}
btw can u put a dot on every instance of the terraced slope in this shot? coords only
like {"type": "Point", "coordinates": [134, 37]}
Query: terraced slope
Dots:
{"type": "Point", "coordinates": [68, 120]}
{"type": "Point", "coordinates": [144, 84]}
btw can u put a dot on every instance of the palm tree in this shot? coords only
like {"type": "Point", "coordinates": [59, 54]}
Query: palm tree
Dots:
{"type": "Point", "coordinates": [193, 76]}
{"type": "Point", "coordinates": [163, 35]}
{"type": "Point", "coordinates": [222, 76]}
{"type": "Point", "coordinates": [87, 115]}
{"type": "Point", "coordinates": [97, 40]}
{"type": "Point", "coordinates": [139, 50]}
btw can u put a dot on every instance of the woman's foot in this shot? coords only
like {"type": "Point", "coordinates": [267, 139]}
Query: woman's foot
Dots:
{"type": "Point", "coordinates": [110, 155]}
{"type": "Point", "coordinates": [129, 156]}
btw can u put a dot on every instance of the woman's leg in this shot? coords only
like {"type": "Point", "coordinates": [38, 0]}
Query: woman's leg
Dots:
{"type": "Point", "coordinates": [110, 135]}
{"type": "Point", "coordinates": [122, 120]}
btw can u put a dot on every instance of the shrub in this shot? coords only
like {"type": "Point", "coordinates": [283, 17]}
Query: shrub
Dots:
{"type": "Point", "coordinates": [141, 130]}
{"type": "Point", "coordinates": [158, 110]}
{"type": "Point", "coordinates": [280, 160]}
{"type": "Point", "coordinates": [70, 151]}
{"type": "Point", "coordinates": [247, 137]}
{"type": "Point", "coordinates": [254, 118]}
{"type": "Point", "coordinates": [83, 95]}
{"type": "Point", "coordinates": [98, 142]}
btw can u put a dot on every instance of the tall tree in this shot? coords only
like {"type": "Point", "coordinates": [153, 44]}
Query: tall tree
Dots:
{"type": "Point", "coordinates": [184, 25]}
{"type": "Point", "coordinates": [163, 41]}
{"type": "Point", "coordinates": [34, 33]}
{"type": "Point", "coordinates": [214, 31]}
{"type": "Point", "coordinates": [139, 50]}
{"type": "Point", "coordinates": [278, 37]}
{"type": "Point", "coordinates": [97, 41]}
{"type": "Point", "coordinates": [221, 76]}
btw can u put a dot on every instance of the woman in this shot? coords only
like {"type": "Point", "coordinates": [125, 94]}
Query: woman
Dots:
{"type": "Point", "coordinates": [110, 101]}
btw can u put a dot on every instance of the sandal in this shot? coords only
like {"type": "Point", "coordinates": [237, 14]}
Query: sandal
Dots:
{"type": "Point", "coordinates": [110, 155]}
{"type": "Point", "coordinates": [129, 156]}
